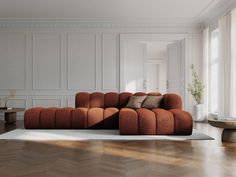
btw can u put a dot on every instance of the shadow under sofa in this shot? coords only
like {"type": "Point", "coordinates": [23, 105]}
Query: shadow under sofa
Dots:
{"type": "Point", "coordinates": [107, 111]}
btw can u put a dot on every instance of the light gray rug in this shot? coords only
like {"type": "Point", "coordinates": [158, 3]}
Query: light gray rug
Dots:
{"type": "Point", "coordinates": [78, 135]}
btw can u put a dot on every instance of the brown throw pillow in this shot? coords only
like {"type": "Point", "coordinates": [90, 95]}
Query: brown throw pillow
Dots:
{"type": "Point", "coordinates": [152, 102]}
{"type": "Point", "coordinates": [135, 102]}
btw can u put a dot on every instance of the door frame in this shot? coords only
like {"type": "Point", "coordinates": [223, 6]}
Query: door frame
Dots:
{"type": "Point", "coordinates": [185, 55]}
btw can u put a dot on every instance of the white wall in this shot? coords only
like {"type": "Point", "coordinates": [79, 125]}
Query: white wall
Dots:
{"type": "Point", "coordinates": [47, 64]}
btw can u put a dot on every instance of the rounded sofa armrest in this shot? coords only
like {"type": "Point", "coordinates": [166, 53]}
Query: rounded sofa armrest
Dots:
{"type": "Point", "coordinates": [171, 101]}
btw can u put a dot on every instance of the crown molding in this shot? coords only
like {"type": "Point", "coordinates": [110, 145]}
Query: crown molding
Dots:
{"type": "Point", "coordinates": [206, 17]}
{"type": "Point", "coordinates": [221, 8]}
{"type": "Point", "coordinates": [97, 23]}
{"type": "Point", "coordinates": [206, 10]}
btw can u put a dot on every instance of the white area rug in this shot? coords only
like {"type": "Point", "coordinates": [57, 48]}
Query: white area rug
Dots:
{"type": "Point", "coordinates": [78, 135]}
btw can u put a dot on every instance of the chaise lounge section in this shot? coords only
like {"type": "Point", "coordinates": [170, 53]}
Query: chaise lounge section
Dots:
{"type": "Point", "coordinates": [107, 111]}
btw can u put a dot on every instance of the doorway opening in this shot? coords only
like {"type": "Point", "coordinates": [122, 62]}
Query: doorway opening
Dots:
{"type": "Point", "coordinates": [155, 66]}
{"type": "Point", "coordinates": [152, 64]}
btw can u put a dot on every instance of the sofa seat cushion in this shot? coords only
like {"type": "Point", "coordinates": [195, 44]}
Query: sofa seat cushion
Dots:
{"type": "Point", "coordinates": [111, 118]}
{"type": "Point", "coordinates": [154, 122]}
{"type": "Point", "coordinates": [31, 118]}
{"type": "Point", "coordinates": [47, 118]}
{"type": "Point", "coordinates": [95, 118]}
{"type": "Point", "coordinates": [79, 118]}
{"type": "Point", "coordinates": [63, 118]}
{"type": "Point", "coordinates": [146, 122]}
{"type": "Point", "coordinates": [164, 122]}
{"type": "Point", "coordinates": [128, 121]}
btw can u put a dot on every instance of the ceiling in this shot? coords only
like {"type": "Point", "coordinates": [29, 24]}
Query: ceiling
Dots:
{"type": "Point", "coordinates": [105, 9]}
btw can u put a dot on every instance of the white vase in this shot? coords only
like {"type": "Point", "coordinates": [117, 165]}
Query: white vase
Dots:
{"type": "Point", "coordinates": [199, 113]}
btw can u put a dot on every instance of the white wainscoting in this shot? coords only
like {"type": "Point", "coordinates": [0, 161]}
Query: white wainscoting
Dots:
{"type": "Point", "coordinates": [48, 65]}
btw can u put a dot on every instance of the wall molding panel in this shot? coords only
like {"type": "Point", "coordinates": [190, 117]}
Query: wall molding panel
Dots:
{"type": "Point", "coordinates": [110, 63]}
{"type": "Point", "coordinates": [49, 62]}
{"type": "Point", "coordinates": [81, 61]}
{"type": "Point", "coordinates": [71, 102]}
{"type": "Point", "coordinates": [41, 102]}
{"type": "Point", "coordinates": [13, 63]}
{"type": "Point", "coordinates": [17, 102]}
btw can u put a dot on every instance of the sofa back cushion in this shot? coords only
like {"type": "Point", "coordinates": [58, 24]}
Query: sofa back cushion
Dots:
{"type": "Point", "coordinates": [111, 99]}
{"type": "Point", "coordinates": [105, 100]}
{"type": "Point", "coordinates": [96, 100]}
{"type": "Point", "coordinates": [124, 99]}
{"type": "Point", "coordinates": [82, 100]}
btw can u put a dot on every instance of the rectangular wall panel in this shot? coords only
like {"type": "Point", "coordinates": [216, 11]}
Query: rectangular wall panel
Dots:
{"type": "Point", "coordinates": [12, 61]}
{"type": "Point", "coordinates": [46, 103]}
{"type": "Point", "coordinates": [109, 60]}
{"type": "Point", "coordinates": [81, 61]}
{"type": "Point", "coordinates": [71, 103]}
{"type": "Point", "coordinates": [17, 103]}
{"type": "Point", "coordinates": [46, 61]}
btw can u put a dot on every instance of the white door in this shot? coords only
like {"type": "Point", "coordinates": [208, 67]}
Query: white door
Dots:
{"type": "Point", "coordinates": [153, 77]}
{"type": "Point", "coordinates": [174, 68]}
{"type": "Point", "coordinates": [132, 74]}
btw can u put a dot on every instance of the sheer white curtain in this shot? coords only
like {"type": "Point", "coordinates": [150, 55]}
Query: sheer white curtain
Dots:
{"type": "Point", "coordinates": [225, 66]}
{"type": "Point", "coordinates": [205, 68]}
{"type": "Point", "coordinates": [233, 65]}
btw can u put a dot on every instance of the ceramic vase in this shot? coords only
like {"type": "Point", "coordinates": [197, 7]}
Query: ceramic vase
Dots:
{"type": "Point", "coordinates": [199, 113]}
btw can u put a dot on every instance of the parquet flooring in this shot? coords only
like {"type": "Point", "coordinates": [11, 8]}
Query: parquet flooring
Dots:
{"type": "Point", "coordinates": [118, 158]}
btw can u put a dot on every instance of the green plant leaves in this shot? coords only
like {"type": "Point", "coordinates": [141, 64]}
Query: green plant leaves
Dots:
{"type": "Point", "coordinates": [196, 88]}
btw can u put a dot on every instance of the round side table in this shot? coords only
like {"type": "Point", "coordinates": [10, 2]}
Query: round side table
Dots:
{"type": "Point", "coordinates": [10, 114]}
{"type": "Point", "coordinates": [229, 126]}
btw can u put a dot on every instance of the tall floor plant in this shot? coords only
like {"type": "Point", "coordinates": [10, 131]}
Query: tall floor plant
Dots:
{"type": "Point", "coordinates": [196, 88]}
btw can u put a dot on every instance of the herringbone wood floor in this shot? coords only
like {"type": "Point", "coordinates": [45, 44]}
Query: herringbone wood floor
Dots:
{"type": "Point", "coordinates": [118, 158]}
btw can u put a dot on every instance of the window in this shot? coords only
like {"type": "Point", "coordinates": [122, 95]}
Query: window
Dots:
{"type": "Point", "coordinates": [214, 72]}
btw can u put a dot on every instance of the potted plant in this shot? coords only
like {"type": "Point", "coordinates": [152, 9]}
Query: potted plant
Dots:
{"type": "Point", "coordinates": [196, 89]}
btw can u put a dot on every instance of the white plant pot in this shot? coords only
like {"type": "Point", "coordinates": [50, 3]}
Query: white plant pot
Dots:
{"type": "Point", "coordinates": [199, 113]}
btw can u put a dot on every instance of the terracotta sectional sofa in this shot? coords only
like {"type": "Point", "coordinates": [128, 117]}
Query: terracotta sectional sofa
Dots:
{"type": "Point", "coordinates": [107, 111]}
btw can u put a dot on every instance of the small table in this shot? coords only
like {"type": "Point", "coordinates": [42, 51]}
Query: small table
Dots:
{"type": "Point", "coordinates": [10, 114]}
{"type": "Point", "coordinates": [229, 125]}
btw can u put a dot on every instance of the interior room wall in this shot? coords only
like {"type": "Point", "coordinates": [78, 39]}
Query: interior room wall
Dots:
{"type": "Point", "coordinates": [47, 64]}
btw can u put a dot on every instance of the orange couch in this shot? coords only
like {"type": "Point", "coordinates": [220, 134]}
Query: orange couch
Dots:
{"type": "Point", "coordinates": [107, 111]}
